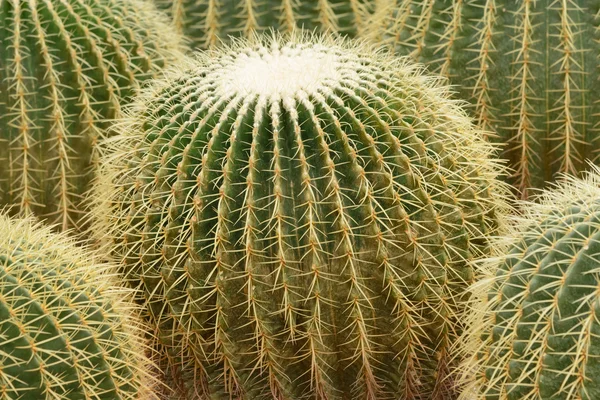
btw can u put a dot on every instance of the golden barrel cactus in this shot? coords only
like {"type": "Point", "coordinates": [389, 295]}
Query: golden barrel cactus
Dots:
{"type": "Point", "coordinates": [66, 68]}
{"type": "Point", "coordinates": [535, 328]}
{"type": "Point", "coordinates": [529, 69]}
{"type": "Point", "coordinates": [307, 210]}
{"type": "Point", "coordinates": [68, 330]}
{"type": "Point", "coordinates": [207, 22]}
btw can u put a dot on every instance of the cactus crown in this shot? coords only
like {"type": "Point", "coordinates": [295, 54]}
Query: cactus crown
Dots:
{"type": "Point", "coordinates": [66, 67]}
{"type": "Point", "coordinates": [529, 69]}
{"type": "Point", "coordinates": [67, 332]}
{"type": "Point", "coordinates": [535, 330]}
{"type": "Point", "coordinates": [206, 22]}
{"type": "Point", "coordinates": [310, 226]}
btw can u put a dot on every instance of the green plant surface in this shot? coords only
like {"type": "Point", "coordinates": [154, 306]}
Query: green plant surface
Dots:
{"type": "Point", "coordinates": [208, 22]}
{"type": "Point", "coordinates": [307, 209]}
{"type": "Point", "coordinates": [535, 328]}
{"type": "Point", "coordinates": [67, 331]}
{"type": "Point", "coordinates": [529, 69]}
{"type": "Point", "coordinates": [66, 68]}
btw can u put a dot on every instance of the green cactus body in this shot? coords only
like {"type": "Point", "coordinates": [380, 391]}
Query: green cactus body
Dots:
{"type": "Point", "coordinates": [207, 22]}
{"type": "Point", "coordinates": [307, 211]}
{"type": "Point", "coordinates": [529, 68]}
{"type": "Point", "coordinates": [66, 67]}
{"type": "Point", "coordinates": [65, 332]}
{"type": "Point", "coordinates": [537, 331]}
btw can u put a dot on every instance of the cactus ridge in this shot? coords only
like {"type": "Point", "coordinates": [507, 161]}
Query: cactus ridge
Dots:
{"type": "Point", "coordinates": [534, 334]}
{"type": "Point", "coordinates": [529, 69]}
{"type": "Point", "coordinates": [311, 226]}
{"type": "Point", "coordinates": [65, 69]}
{"type": "Point", "coordinates": [66, 333]}
{"type": "Point", "coordinates": [208, 22]}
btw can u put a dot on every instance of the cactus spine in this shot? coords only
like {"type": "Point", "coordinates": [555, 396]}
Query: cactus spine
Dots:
{"type": "Point", "coordinates": [65, 69]}
{"type": "Point", "coordinates": [529, 68]}
{"type": "Point", "coordinates": [536, 329]}
{"type": "Point", "coordinates": [307, 211]}
{"type": "Point", "coordinates": [207, 22]}
{"type": "Point", "coordinates": [66, 332]}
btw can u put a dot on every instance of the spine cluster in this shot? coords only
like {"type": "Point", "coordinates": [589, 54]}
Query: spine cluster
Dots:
{"type": "Point", "coordinates": [307, 211]}
{"type": "Point", "coordinates": [66, 68]}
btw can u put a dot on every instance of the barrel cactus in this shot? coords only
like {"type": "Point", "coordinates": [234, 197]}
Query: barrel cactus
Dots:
{"type": "Point", "coordinates": [306, 209]}
{"type": "Point", "coordinates": [66, 332]}
{"type": "Point", "coordinates": [529, 69]}
{"type": "Point", "coordinates": [66, 67]}
{"type": "Point", "coordinates": [207, 22]}
{"type": "Point", "coordinates": [535, 334]}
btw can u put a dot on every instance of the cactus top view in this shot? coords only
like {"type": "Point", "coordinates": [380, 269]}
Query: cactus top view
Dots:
{"type": "Point", "coordinates": [529, 68]}
{"type": "Point", "coordinates": [535, 331]}
{"type": "Point", "coordinates": [66, 67]}
{"type": "Point", "coordinates": [206, 22]}
{"type": "Point", "coordinates": [65, 332]}
{"type": "Point", "coordinates": [306, 208]}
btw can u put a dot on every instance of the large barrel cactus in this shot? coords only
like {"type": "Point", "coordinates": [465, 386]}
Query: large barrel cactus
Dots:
{"type": "Point", "coordinates": [66, 67]}
{"type": "Point", "coordinates": [306, 209]}
{"type": "Point", "coordinates": [207, 22]}
{"type": "Point", "coordinates": [66, 333]}
{"type": "Point", "coordinates": [536, 330]}
{"type": "Point", "coordinates": [529, 68]}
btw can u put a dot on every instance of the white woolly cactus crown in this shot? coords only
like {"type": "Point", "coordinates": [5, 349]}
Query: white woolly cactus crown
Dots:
{"type": "Point", "coordinates": [307, 210]}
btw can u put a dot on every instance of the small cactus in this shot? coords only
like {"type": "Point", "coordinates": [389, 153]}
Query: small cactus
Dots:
{"type": "Point", "coordinates": [207, 22]}
{"type": "Point", "coordinates": [66, 67]}
{"type": "Point", "coordinates": [535, 332]}
{"type": "Point", "coordinates": [65, 332]}
{"type": "Point", "coordinates": [529, 69]}
{"type": "Point", "coordinates": [307, 209]}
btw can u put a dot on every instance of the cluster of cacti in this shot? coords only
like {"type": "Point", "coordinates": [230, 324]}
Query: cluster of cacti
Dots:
{"type": "Point", "coordinates": [65, 331]}
{"type": "Point", "coordinates": [298, 215]}
{"type": "Point", "coordinates": [209, 22]}
{"type": "Point", "coordinates": [529, 69]}
{"type": "Point", "coordinates": [66, 67]}
{"type": "Point", "coordinates": [535, 331]}
{"type": "Point", "coordinates": [307, 211]}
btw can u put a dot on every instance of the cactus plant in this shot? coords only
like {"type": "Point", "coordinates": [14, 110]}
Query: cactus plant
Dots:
{"type": "Point", "coordinates": [529, 69]}
{"type": "Point", "coordinates": [534, 334]}
{"type": "Point", "coordinates": [207, 22]}
{"type": "Point", "coordinates": [306, 208]}
{"type": "Point", "coordinates": [66, 332]}
{"type": "Point", "coordinates": [66, 67]}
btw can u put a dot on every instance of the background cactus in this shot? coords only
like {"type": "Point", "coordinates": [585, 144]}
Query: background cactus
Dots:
{"type": "Point", "coordinates": [536, 328]}
{"type": "Point", "coordinates": [65, 69]}
{"type": "Point", "coordinates": [529, 68]}
{"type": "Point", "coordinates": [307, 211]}
{"type": "Point", "coordinates": [206, 22]}
{"type": "Point", "coordinates": [66, 332]}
